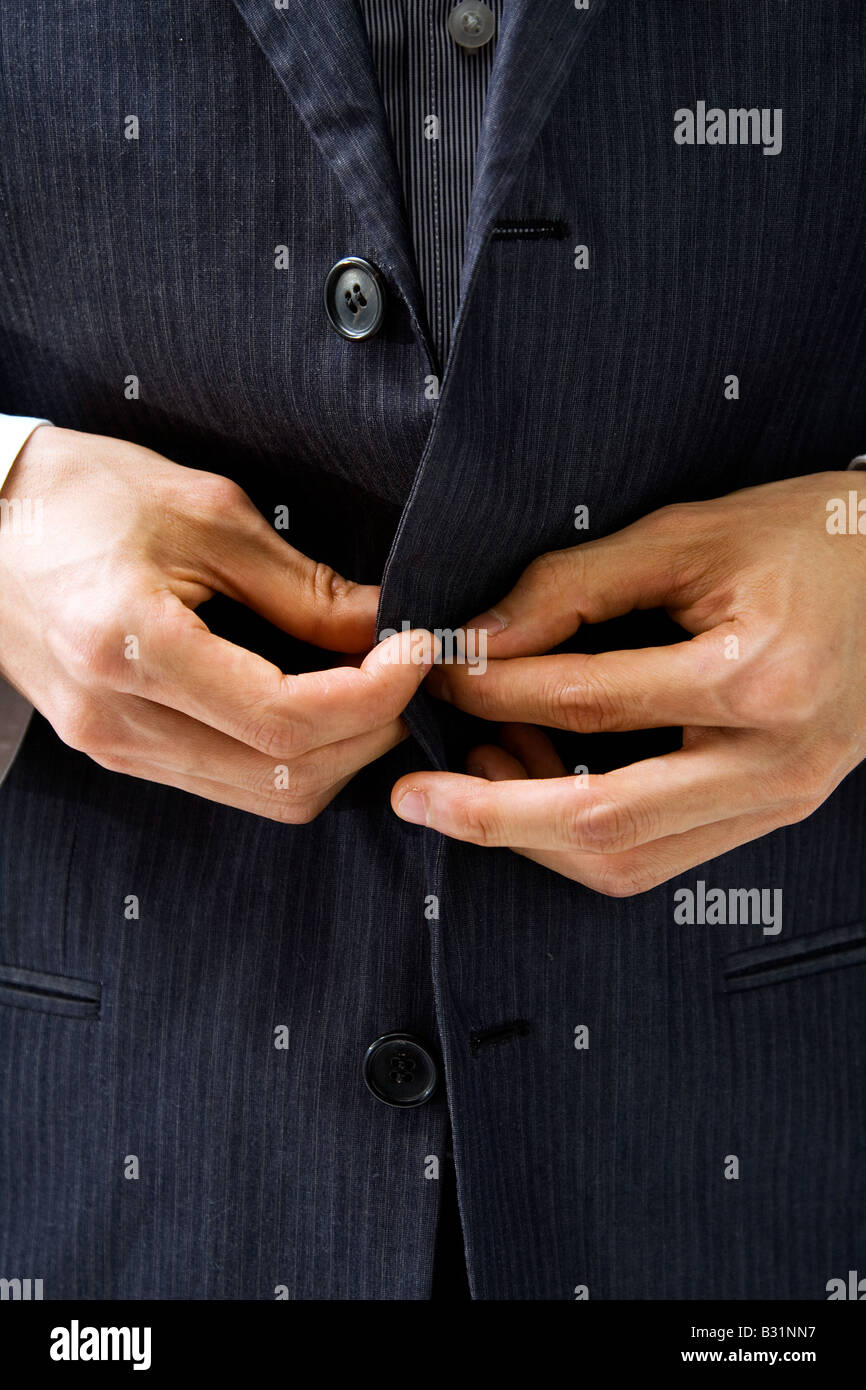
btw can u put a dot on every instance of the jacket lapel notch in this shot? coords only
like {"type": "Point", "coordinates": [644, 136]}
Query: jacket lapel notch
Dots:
{"type": "Point", "coordinates": [321, 55]}
{"type": "Point", "coordinates": [538, 45]}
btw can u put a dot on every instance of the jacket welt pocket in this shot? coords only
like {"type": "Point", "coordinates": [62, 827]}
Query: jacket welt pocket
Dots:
{"type": "Point", "coordinates": [49, 994]}
{"type": "Point", "coordinates": [775, 963]}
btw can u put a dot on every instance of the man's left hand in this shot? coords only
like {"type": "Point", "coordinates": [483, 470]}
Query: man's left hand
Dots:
{"type": "Point", "coordinates": [770, 689]}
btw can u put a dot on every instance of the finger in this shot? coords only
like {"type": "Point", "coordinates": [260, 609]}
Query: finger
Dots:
{"type": "Point", "coordinates": [615, 875]}
{"type": "Point", "coordinates": [534, 750]}
{"type": "Point", "coordinates": [719, 776]}
{"type": "Point", "coordinates": [719, 779]}
{"type": "Point", "coordinates": [494, 764]}
{"type": "Point", "coordinates": [521, 811]}
{"type": "Point", "coordinates": [650, 564]}
{"type": "Point", "coordinates": [242, 556]}
{"type": "Point", "coordinates": [526, 752]}
{"type": "Point", "coordinates": [160, 745]}
{"type": "Point", "coordinates": [639, 870]}
{"type": "Point", "coordinates": [686, 683]}
{"type": "Point", "coordinates": [282, 808]}
{"type": "Point", "coordinates": [186, 667]}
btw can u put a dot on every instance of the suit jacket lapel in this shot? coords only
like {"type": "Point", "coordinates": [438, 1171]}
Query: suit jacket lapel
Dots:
{"type": "Point", "coordinates": [321, 55]}
{"type": "Point", "coordinates": [538, 43]}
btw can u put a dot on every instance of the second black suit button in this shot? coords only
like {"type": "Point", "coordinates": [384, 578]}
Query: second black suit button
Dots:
{"type": "Point", "coordinates": [399, 1070]}
{"type": "Point", "coordinates": [355, 298]}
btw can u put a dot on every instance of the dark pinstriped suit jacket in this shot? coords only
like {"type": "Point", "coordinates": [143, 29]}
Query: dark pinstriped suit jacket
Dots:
{"type": "Point", "coordinates": [601, 1167]}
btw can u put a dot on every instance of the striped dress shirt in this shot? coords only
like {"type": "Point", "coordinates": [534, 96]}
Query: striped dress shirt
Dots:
{"type": "Point", "coordinates": [424, 73]}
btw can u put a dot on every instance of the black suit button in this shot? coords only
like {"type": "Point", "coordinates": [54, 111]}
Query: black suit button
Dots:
{"type": "Point", "coordinates": [399, 1070]}
{"type": "Point", "coordinates": [355, 298]}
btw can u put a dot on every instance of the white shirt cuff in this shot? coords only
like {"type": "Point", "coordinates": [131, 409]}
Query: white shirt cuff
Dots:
{"type": "Point", "coordinates": [15, 430]}
{"type": "Point", "coordinates": [15, 711]}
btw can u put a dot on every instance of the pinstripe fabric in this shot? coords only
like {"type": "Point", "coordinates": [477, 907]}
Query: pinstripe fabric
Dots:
{"type": "Point", "coordinates": [423, 73]}
{"type": "Point", "coordinates": [263, 1168]}
{"type": "Point", "coordinates": [259, 1167]}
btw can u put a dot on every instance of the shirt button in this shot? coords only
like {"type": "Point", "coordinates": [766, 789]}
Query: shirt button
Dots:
{"type": "Point", "coordinates": [355, 298]}
{"type": "Point", "coordinates": [471, 24]}
{"type": "Point", "coordinates": [399, 1070]}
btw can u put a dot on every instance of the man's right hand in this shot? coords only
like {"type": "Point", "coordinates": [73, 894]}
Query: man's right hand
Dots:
{"type": "Point", "coordinates": [98, 630]}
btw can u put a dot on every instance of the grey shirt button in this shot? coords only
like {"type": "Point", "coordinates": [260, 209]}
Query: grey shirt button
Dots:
{"type": "Point", "coordinates": [471, 24]}
{"type": "Point", "coordinates": [355, 298]}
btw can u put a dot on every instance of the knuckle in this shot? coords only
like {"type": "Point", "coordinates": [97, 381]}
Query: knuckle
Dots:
{"type": "Point", "coordinates": [805, 778]}
{"type": "Point", "coordinates": [481, 696]}
{"type": "Point", "coordinates": [549, 572]}
{"type": "Point", "coordinates": [614, 879]}
{"type": "Point", "coordinates": [476, 822]}
{"type": "Point", "coordinates": [544, 567]}
{"type": "Point", "coordinates": [114, 759]}
{"type": "Point", "coordinates": [91, 650]}
{"type": "Point", "coordinates": [612, 825]}
{"type": "Point", "coordinates": [671, 514]}
{"type": "Point", "coordinates": [664, 521]}
{"type": "Point", "coordinates": [308, 776]}
{"type": "Point", "coordinates": [680, 523]}
{"type": "Point", "coordinates": [808, 781]}
{"type": "Point", "coordinates": [213, 496]}
{"type": "Point", "coordinates": [781, 692]}
{"type": "Point", "coordinates": [801, 808]}
{"type": "Point", "coordinates": [281, 804]}
{"type": "Point", "coordinates": [559, 699]}
{"type": "Point", "coordinates": [581, 704]}
{"type": "Point", "coordinates": [675, 519]}
{"type": "Point", "coordinates": [791, 700]}
{"type": "Point", "coordinates": [280, 741]}
{"type": "Point", "coordinates": [732, 693]}
{"type": "Point", "coordinates": [297, 809]}
{"type": "Point", "coordinates": [82, 727]}
{"type": "Point", "coordinates": [327, 586]}
{"type": "Point", "coordinates": [324, 590]}
{"type": "Point", "coordinates": [276, 736]}
{"type": "Point", "coordinates": [684, 535]}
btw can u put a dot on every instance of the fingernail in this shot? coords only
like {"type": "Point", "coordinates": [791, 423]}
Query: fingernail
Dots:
{"type": "Point", "coordinates": [413, 808]}
{"type": "Point", "coordinates": [492, 621]}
